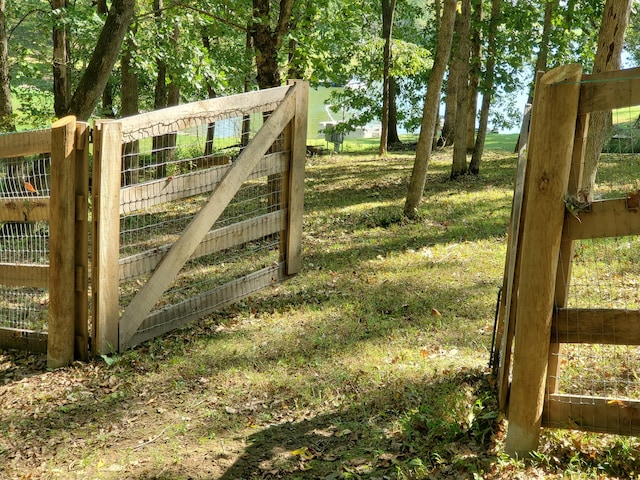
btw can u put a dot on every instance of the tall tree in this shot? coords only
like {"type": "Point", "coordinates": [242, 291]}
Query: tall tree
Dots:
{"type": "Point", "coordinates": [388, 10]}
{"type": "Point", "coordinates": [451, 92]}
{"type": "Point", "coordinates": [543, 47]}
{"type": "Point", "coordinates": [7, 123]}
{"type": "Point", "coordinates": [91, 85]}
{"type": "Point", "coordinates": [61, 70]}
{"type": "Point", "coordinates": [475, 67]}
{"type": "Point", "coordinates": [459, 164]}
{"type": "Point", "coordinates": [430, 111]}
{"type": "Point", "coordinates": [487, 88]}
{"type": "Point", "coordinates": [608, 57]}
{"type": "Point", "coordinates": [268, 35]}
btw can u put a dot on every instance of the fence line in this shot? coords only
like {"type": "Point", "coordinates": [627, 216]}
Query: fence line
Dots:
{"type": "Point", "coordinates": [192, 208]}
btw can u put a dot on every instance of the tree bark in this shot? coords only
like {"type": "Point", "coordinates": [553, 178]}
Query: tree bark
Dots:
{"type": "Point", "coordinates": [91, 85]}
{"type": "Point", "coordinates": [130, 97]}
{"type": "Point", "coordinates": [392, 132]}
{"type": "Point", "coordinates": [430, 110]}
{"type": "Point", "coordinates": [267, 41]}
{"type": "Point", "coordinates": [388, 9]}
{"type": "Point", "coordinates": [608, 57]}
{"type": "Point", "coordinates": [487, 93]}
{"type": "Point", "coordinates": [543, 48]}
{"type": "Point", "coordinates": [475, 65]}
{"type": "Point", "coordinates": [61, 71]}
{"type": "Point", "coordinates": [451, 94]}
{"type": "Point", "coordinates": [459, 164]}
{"type": "Point", "coordinates": [7, 123]}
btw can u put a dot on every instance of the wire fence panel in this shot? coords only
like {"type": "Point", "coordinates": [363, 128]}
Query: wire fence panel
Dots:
{"type": "Point", "coordinates": [598, 376]}
{"type": "Point", "coordinates": [24, 251]}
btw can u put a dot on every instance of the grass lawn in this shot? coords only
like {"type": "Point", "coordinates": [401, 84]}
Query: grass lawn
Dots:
{"type": "Point", "coordinates": [370, 364]}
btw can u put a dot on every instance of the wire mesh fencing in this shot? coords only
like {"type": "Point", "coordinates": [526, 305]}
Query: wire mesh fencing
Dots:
{"type": "Point", "coordinates": [24, 242]}
{"type": "Point", "coordinates": [604, 293]}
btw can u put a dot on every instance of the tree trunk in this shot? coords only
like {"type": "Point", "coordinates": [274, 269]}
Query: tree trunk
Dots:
{"type": "Point", "coordinates": [608, 57]}
{"type": "Point", "coordinates": [61, 73]}
{"type": "Point", "coordinates": [267, 41]}
{"type": "Point", "coordinates": [388, 8]}
{"type": "Point", "coordinates": [87, 94]}
{"type": "Point", "coordinates": [130, 97]}
{"type": "Point", "coordinates": [430, 111]}
{"type": "Point", "coordinates": [459, 165]}
{"type": "Point", "coordinates": [474, 165]}
{"type": "Point", "coordinates": [7, 123]}
{"type": "Point", "coordinates": [392, 132]}
{"type": "Point", "coordinates": [474, 72]}
{"type": "Point", "coordinates": [108, 110]}
{"type": "Point", "coordinates": [451, 94]}
{"type": "Point", "coordinates": [543, 48]}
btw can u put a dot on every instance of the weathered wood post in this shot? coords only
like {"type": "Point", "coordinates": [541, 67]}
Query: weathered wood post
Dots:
{"type": "Point", "coordinates": [81, 241]}
{"type": "Point", "coordinates": [107, 167]}
{"type": "Point", "coordinates": [549, 160]}
{"type": "Point", "coordinates": [295, 190]}
{"type": "Point", "coordinates": [62, 214]}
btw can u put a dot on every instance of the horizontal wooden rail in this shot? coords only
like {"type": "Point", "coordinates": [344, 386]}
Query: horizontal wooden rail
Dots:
{"type": "Point", "coordinates": [24, 209]}
{"type": "Point", "coordinates": [172, 119]}
{"type": "Point", "coordinates": [593, 414]}
{"type": "Point", "coordinates": [596, 326]}
{"type": "Point", "coordinates": [609, 90]}
{"type": "Point", "coordinates": [157, 192]}
{"type": "Point", "coordinates": [25, 143]}
{"type": "Point", "coordinates": [36, 276]}
{"type": "Point", "coordinates": [606, 218]}
{"type": "Point", "coordinates": [28, 340]}
{"type": "Point", "coordinates": [215, 241]}
{"type": "Point", "coordinates": [181, 314]}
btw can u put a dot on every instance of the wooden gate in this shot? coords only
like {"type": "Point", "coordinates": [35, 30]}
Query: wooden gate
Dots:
{"type": "Point", "coordinates": [171, 174]}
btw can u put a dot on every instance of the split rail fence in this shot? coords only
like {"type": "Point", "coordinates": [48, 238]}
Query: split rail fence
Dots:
{"type": "Point", "coordinates": [191, 208]}
{"type": "Point", "coordinates": [537, 325]}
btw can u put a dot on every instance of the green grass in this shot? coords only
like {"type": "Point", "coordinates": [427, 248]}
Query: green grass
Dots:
{"type": "Point", "coordinates": [371, 363]}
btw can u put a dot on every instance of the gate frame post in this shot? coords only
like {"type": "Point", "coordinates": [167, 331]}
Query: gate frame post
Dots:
{"type": "Point", "coordinates": [62, 215]}
{"type": "Point", "coordinates": [549, 160]}
{"type": "Point", "coordinates": [107, 166]}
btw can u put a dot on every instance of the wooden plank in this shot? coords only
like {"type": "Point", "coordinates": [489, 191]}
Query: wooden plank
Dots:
{"type": "Point", "coordinates": [172, 119]}
{"type": "Point", "coordinates": [24, 209]}
{"type": "Point", "coordinates": [26, 340]}
{"type": "Point", "coordinates": [106, 235]}
{"type": "Point", "coordinates": [166, 320]}
{"type": "Point", "coordinates": [596, 326]}
{"type": "Point", "coordinates": [609, 90]}
{"type": "Point", "coordinates": [593, 414]}
{"type": "Point", "coordinates": [184, 247]}
{"type": "Point", "coordinates": [606, 218]}
{"type": "Point", "coordinates": [81, 242]}
{"type": "Point", "coordinates": [61, 334]}
{"type": "Point", "coordinates": [36, 276]}
{"type": "Point", "coordinates": [157, 192]}
{"type": "Point", "coordinates": [550, 150]}
{"type": "Point", "coordinates": [25, 143]}
{"type": "Point", "coordinates": [295, 183]}
{"type": "Point", "coordinates": [508, 301]}
{"type": "Point", "coordinates": [215, 241]}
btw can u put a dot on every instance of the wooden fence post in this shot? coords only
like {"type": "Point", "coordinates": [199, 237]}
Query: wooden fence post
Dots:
{"type": "Point", "coordinates": [296, 178]}
{"type": "Point", "coordinates": [107, 163]}
{"type": "Point", "coordinates": [81, 238]}
{"type": "Point", "coordinates": [549, 160]}
{"type": "Point", "coordinates": [61, 335]}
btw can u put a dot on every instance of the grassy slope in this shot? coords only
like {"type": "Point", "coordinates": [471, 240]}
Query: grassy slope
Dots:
{"type": "Point", "coordinates": [369, 364]}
